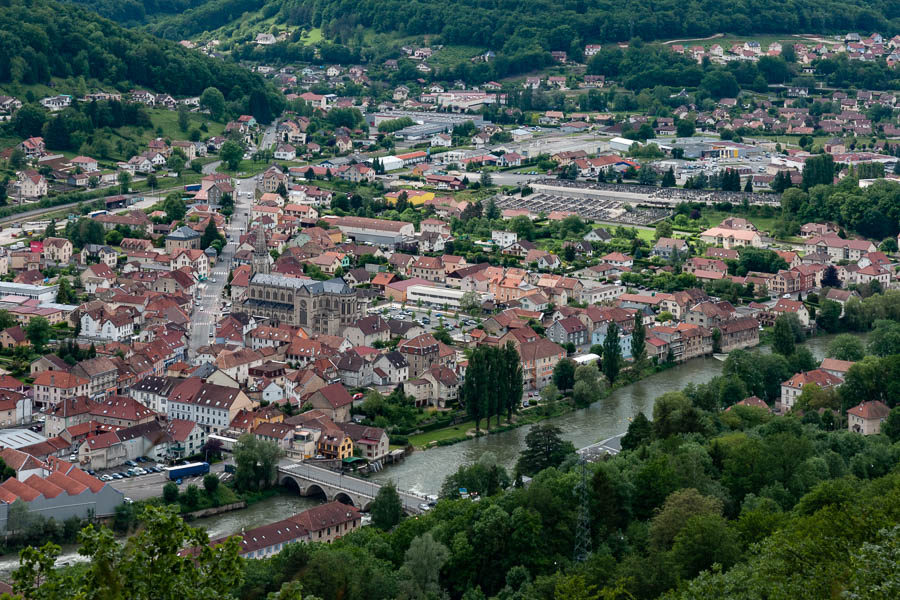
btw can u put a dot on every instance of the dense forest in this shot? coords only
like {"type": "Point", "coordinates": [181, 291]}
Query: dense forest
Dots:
{"type": "Point", "coordinates": [511, 26]}
{"type": "Point", "coordinates": [41, 40]}
{"type": "Point", "coordinates": [136, 12]}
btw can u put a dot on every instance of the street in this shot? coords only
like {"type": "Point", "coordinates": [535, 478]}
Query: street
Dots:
{"type": "Point", "coordinates": [208, 307]}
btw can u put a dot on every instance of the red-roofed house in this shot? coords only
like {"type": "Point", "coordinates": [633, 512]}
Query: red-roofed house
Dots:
{"type": "Point", "coordinates": [867, 417]}
{"type": "Point", "coordinates": [793, 387]}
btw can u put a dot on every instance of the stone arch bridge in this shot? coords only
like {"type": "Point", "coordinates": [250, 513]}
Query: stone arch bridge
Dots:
{"type": "Point", "coordinates": [310, 480]}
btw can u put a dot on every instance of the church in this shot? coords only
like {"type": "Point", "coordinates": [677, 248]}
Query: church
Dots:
{"type": "Point", "coordinates": [320, 307]}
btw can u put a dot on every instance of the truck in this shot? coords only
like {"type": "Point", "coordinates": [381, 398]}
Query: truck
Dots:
{"type": "Point", "coordinates": [188, 470]}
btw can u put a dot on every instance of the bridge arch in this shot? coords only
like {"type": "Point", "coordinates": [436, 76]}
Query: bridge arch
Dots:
{"type": "Point", "coordinates": [344, 498]}
{"type": "Point", "coordinates": [314, 489]}
{"type": "Point", "coordinates": [291, 484]}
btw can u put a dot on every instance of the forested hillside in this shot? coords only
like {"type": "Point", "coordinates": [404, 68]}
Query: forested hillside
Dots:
{"type": "Point", "coordinates": [135, 12]}
{"type": "Point", "coordinates": [41, 40]}
{"type": "Point", "coordinates": [512, 26]}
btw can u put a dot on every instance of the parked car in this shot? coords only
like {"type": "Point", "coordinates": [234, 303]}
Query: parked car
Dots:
{"type": "Point", "coordinates": [130, 463]}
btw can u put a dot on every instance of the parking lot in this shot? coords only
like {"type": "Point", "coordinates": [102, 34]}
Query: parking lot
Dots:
{"type": "Point", "coordinates": [150, 485]}
{"type": "Point", "coordinates": [430, 320]}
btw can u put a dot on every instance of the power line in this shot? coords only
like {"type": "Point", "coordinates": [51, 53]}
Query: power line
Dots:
{"type": "Point", "coordinates": [583, 546]}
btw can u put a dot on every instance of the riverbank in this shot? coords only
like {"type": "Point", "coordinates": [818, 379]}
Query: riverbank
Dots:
{"type": "Point", "coordinates": [535, 413]}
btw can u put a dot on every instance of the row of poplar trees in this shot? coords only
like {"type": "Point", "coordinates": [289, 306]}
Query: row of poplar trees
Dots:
{"type": "Point", "coordinates": [493, 384]}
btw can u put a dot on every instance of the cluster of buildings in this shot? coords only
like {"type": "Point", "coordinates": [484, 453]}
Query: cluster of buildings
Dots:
{"type": "Point", "coordinates": [856, 47]}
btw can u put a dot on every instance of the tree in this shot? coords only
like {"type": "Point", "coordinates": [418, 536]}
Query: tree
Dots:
{"type": "Point", "coordinates": [6, 471]}
{"type": "Point", "coordinates": [214, 101]}
{"type": "Point", "coordinates": [640, 432]}
{"type": "Point", "coordinates": [885, 338]}
{"type": "Point", "coordinates": [470, 302]}
{"type": "Point", "coordinates": [192, 496]}
{"type": "Point", "coordinates": [210, 234]}
{"type": "Point", "coordinates": [256, 462]}
{"type": "Point", "coordinates": [175, 163]}
{"type": "Point", "coordinates": [484, 477]}
{"type": "Point", "coordinates": [668, 179]}
{"type": "Point", "coordinates": [704, 541]}
{"type": "Point", "coordinates": [387, 509]}
{"type": "Point", "coordinates": [663, 230]}
{"type": "Point", "coordinates": [210, 484]}
{"type": "Point", "coordinates": [170, 492]}
{"type": "Point", "coordinates": [124, 181]}
{"type": "Point", "coordinates": [523, 227]}
{"type": "Point", "coordinates": [184, 117]}
{"type": "Point", "coordinates": [588, 387]}
{"type": "Point", "coordinates": [38, 332]}
{"type": "Point", "coordinates": [829, 315]}
{"type": "Point", "coordinates": [174, 207]}
{"type": "Point", "coordinates": [685, 128]}
{"type": "Point", "coordinates": [152, 182]}
{"type": "Point", "coordinates": [421, 570]}
{"type": "Point", "coordinates": [544, 448]}
{"type": "Point", "coordinates": [679, 507]}
{"type": "Point", "coordinates": [486, 180]}
{"type": "Point", "coordinates": [830, 277]}
{"type": "Point", "coordinates": [148, 560]}
{"type": "Point", "coordinates": [891, 425]}
{"type": "Point", "coordinates": [846, 347]}
{"type": "Point", "coordinates": [65, 294]}
{"type": "Point", "coordinates": [638, 339]}
{"type": "Point", "coordinates": [612, 353]}
{"type": "Point", "coordinates": [231, 154]}
{"type": "Point", "coordinates": [564, 374]}
{"type": "Point", "coordinates": [783, 341]}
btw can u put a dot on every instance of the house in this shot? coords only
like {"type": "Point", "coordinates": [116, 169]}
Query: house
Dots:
{"type": "Point", "coordinates": [210, 405]}
{"type": "Point", "coordinates": [569, 330]}
{"type": "Point", "coordinates": [441, 140]}
{"type": "Point", "coordinates": [373, 442]}
{"type": "Point", "coordinates": [669, 248]}
{"type": "Point", "coordinates": [867, 417]}
{"type": "Point", "coordinates": [838, 368]}
{"type": "Point", "coordinates": [838, 248]}
{"type": "Point", "coordinates": [58, 249]}
{"type": "Point", "coordinates": [617, 259]}
{"type": "Point", "coordinates": [731, 238]}
{"type": "Point", "coordinates": [738, 333]}
{"type": "Point", "coordinates": [597, 235]}
{"type": "Point", "coordinates": [792, 306]}
{"type": "Point", "coordinates": [31, 184]}
{"type": "Point", "coordinates": [793, 387]}
{"type": "Point", "coordinates": [285, 152]}
{"type": "Point", "coordinates": [503, 239]}
{"type": "Point", "coordinates": [13, 337]}
{"type": "Point", "coordinates": [343, 144]}
{"type": "Point", "coordinates": [391, 368]}
{"type": "Point", "coordinates": [539, 358]}
{"type": "Point", "coordinates": [421, 352]}
{"type": "Point", "coordinates": [333, 400]}
{"type": "Point", "coordinates": [367, 331]}
{"type": "Point", "coordinates": [51, 387]}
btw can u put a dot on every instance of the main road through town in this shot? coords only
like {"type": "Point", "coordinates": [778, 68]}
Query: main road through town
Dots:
{"type": "Point", "coordinates": [208, 308]}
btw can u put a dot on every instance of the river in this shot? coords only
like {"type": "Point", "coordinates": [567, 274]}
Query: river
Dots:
{"type": "Point", "coordinates": [425, 471]}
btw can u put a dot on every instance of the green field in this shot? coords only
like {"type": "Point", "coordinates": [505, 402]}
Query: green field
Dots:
{"type": "Point", "coordinates": [313, 36]}
{"type": "Point", "coordinates": [165, 125]}
{"type": "Point", "coordinates": [423, 439]}
{"type": "Point", "coordinates": [762, 223]}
